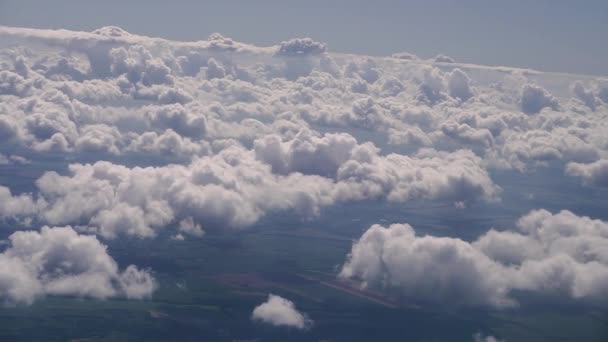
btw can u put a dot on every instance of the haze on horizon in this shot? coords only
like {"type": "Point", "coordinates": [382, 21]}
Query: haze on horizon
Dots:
{"type": "Point", "coordinates": [558, 36]}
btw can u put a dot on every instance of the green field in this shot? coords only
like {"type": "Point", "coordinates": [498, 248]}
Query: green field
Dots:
{"type": "Point", "coordinates": [209, 287]}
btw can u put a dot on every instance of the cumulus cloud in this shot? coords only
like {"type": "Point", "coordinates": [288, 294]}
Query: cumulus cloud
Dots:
{"type": "Point", "coordinates": [535, 98]}
{"type": "Point", "coordinates": [117, 93]}
{"type": "Point", "coordinates": [464, 133]}
{"type": "Point", "coordinates": [13, 84]}
{"type": "Point", "coordinates": [593, 174]}
{"type": "Point", "coordinates": [585, 95]}
{"type": "Point", "coordinates": [236, 132]}
{"type": "Point", "coordinates": [279, 311]}
{"type": "Point", "coordinates": [365, 69]}
{"type": "Point", "coordinates": [230, 189]}
{"type": "Point", "coordinates": [431, 90]}
{"type": "Point", "coordinates": [299, 55]}
{"type": "Point", "coordinates": [60, 262]}
{"type": "Point", "coordinates": [444, 59]}
{"type": "Point", "coordinates": [520, 149]}
{"type": "Point", "coordinates": [13, 206]}
{"type": "Point", "coordinates": [138, 65]}
{"type": "Point", "coordinates": [459, 85]}
{"type": "Point", "coordinates": [392, 87]}
{"type": "Point", "coordinates": [306, 153]}
{"type": "Point", "coordinates": [215, 69]}
{"type": "Point", "coordinates": [300, 47]}
{"type": "Point", "coordinates": [431, 175]}
{"type": "Point", "coordinates": [8, 130]}
{"type": "Point", "coordinates": [235, 187]}
{"type": "Point", "coordinates": [328, 64]}
{"type": "Point", "coordinates": [552, 254]}
{"type": "Point", "coordinates": [430, 268]}
{"type": "Point", "coordinates": [182, 139]}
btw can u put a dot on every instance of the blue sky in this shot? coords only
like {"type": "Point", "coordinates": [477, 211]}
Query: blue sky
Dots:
{"type": "Point", "coordinates": [566, 36]}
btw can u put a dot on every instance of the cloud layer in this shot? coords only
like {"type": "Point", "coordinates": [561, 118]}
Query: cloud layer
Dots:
{"type": "Point", "coordinates": [215, 134]}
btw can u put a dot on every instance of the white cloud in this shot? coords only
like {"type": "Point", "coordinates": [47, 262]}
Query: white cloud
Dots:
{"type": "Point", "coordinates": [365, 69]}
{"type": "Point", "coordinates": [235, 187]}
{"type": "Point", "coordinates": [16, 205]}
{"type": "Point", "coordinates": [300, 47]}
{"type": "Point", "coordinates": [459, 85]}
{"type": "Point", "coordinates": [535, 98]}
{"type": "Point", "coordinates": [12, 84]}
{"type": "Point", "coordinates": [237, 132]}
{"type": "Point", "coordinates": [328, 64]}
{"type": "Point", "coordinates": [431, 91]}
{"type": "Point", "coordinates": [430, 175]}
{"type": "Point", "coordinates": [437, 269]}
{"type": "Point", "coordinates": [306, 153]}
{"type": "Point", "coordinates": [279, 311]}
{"type": "Point", "coordinates": [554, 254]}
{"type": "Point", "coordinates": [59, 261]}
{"type": "Point", "coordinates": [522, 149]}
{"type": "Point", "coordinates": [585, 95]}
{"type": "Point", "coordinates": [8, 129]}
{"type": "Point", "coordinates": [138, 65]}
{"type": "Point", "coordinates": [444, 59]}
{"type": "Point", "coordinates": [189, 227]}
{"type": "Point", "coordinates": [118, 93]}
{"type": "Point", "coordinates": [230, 189]}
{"type": "Point", "coordinates": [465, 134]}
{"type": "Point", "coordinates": [593, 174]}
{"type": "Point", "coordinates": [215, 69]}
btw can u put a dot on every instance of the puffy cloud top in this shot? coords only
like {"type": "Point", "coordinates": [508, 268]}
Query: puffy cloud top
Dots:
{"type": "Point", "coordinates": [585, 95]}
{"type": "Point", "coordinates": [279, 311]}
{"type": "Point", "coordinates": [459, 85]}
{"type": "Point", "coordinates": [235, 134]}
{"type": "Point", "coordinates": [593, 174]}
{"type": "Point", "coordinates": [236, 187]}
{"type": "Point", "coordinates": [556, 254]}
{"type": "Point", "coordinates": [535, 98]}
{"type": "Point", "coordinates": [15, 206]}
{"type": "Point", "coordinates": [59, 261]}
{"type": "Point", "coordinates": [300, 47]}
{"type": "Point", "coordinates": [111, 31]}
{"type": "Point", "coordinates": [444, 59]}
